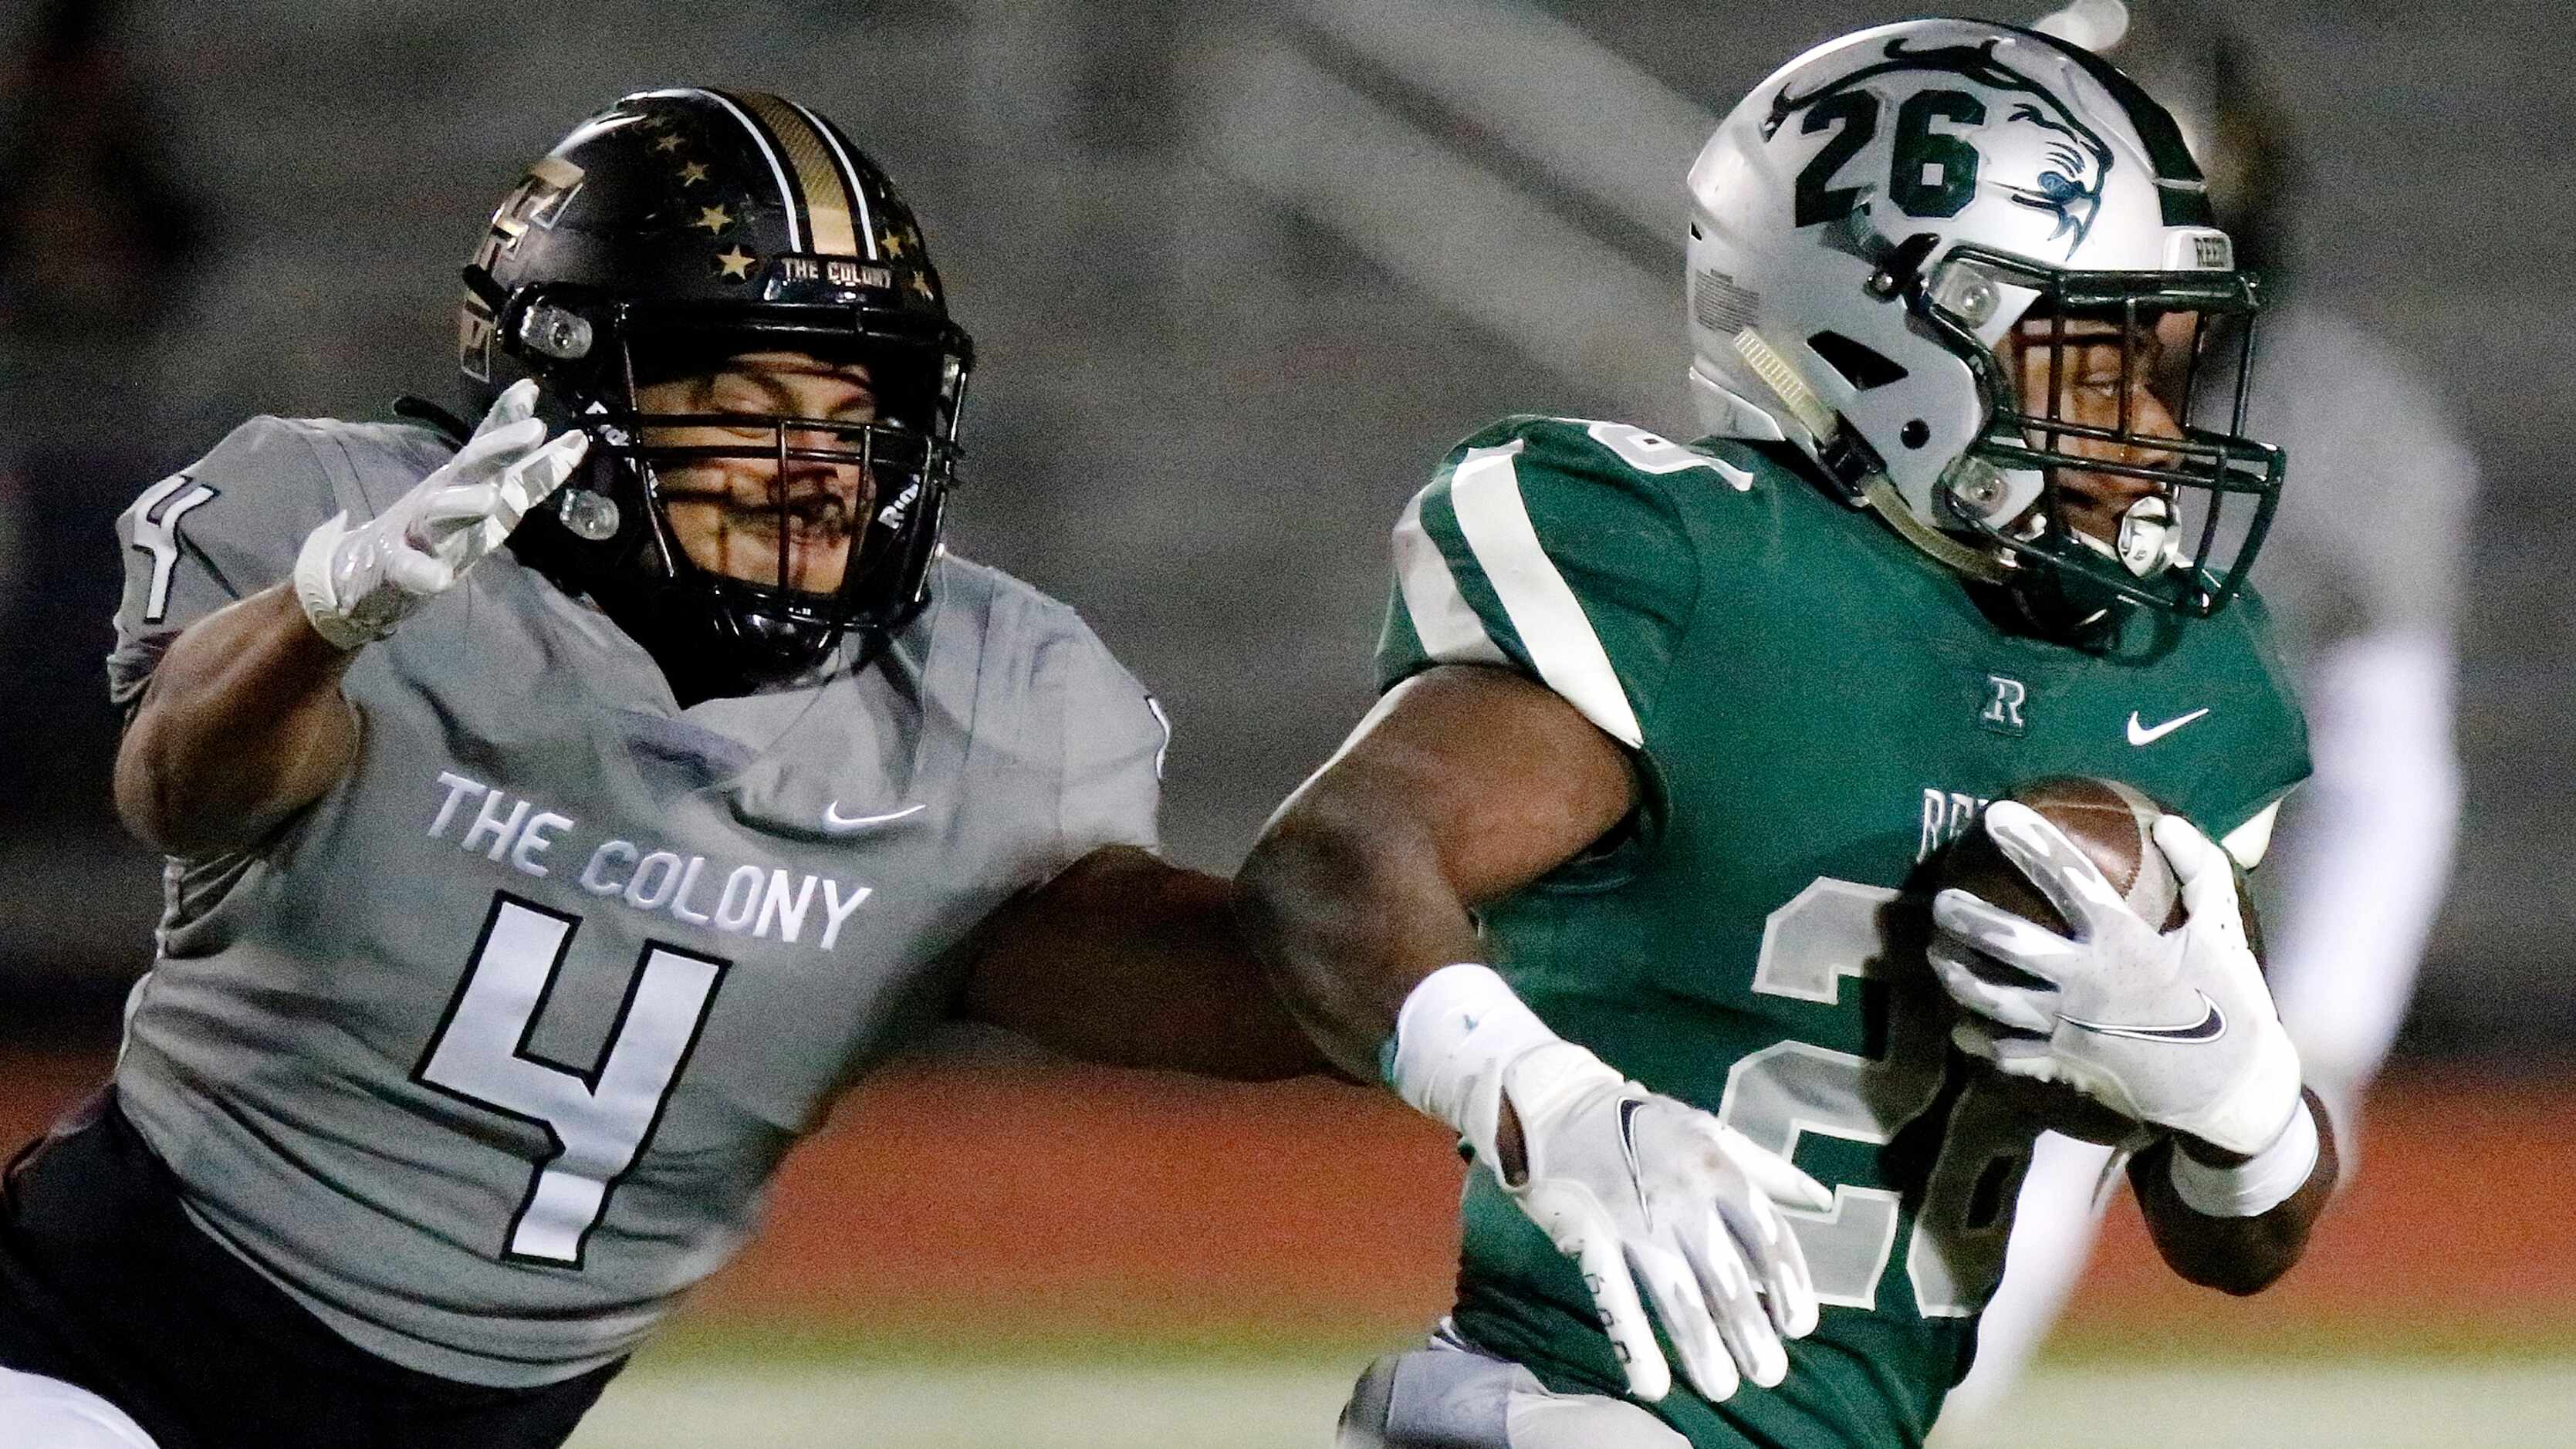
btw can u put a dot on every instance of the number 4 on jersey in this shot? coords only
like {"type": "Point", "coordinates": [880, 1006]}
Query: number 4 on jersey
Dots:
{"type": "Point", "coordinates": [596, 1120]}
{"type": "Point", "coordinates": [156, 532]}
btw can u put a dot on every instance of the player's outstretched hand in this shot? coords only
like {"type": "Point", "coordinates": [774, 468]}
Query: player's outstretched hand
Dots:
{"type": "Point", "coordinates": [1643, 1190]}
{"type": "Point", "coordinates": [2174, 1029]}
{"type": "Point", "coordinates": [357, 582]}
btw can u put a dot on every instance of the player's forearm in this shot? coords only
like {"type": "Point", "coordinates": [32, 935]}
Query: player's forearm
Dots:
{"type": "Point", "coordinates": [1127, 960]}
{"type": "Point", "coordinates": [1463, 785]}
{"type": "Point", "coordinates": [1350, 909]}
{"type": "Point", "coordinates": [2237, 1254]}
{"type": "Point", "coordinates": [242, 725]}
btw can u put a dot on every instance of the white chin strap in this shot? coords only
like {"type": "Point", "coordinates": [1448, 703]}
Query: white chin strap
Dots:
{"type": "Point", "coordinates": [2149, 542]}
{"type": "Point", "coordinates": [1974, 562]}
{"type": "Point", "coordinates": [1725, 415]}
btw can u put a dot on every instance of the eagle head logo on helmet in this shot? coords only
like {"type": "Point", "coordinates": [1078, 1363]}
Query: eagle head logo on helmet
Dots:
{"type": "Point", "coordinates": [671, 231]}
{"type": "Point", "coordinates": [1880, 224]}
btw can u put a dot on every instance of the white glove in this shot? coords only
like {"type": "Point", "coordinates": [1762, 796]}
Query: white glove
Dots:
{"type": "Point", "coordinates": [1635, 1187]}
{"type": "Point", "coordinates": [356, 583]}
{"type": "Point", "coordinates": [2174, 1029]}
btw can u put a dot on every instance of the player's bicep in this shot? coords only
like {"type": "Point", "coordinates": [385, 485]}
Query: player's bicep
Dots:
{"type": "Point", "coordinates": [1502, 778]}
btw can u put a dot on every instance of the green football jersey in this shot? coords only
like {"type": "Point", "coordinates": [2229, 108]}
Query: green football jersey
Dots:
{"type": "Point", "coordinates": [1814, 707]}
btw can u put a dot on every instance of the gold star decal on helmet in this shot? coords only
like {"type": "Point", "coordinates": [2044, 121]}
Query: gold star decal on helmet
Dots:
{"type": "Point", "coordinates": [892, 244]}
{"type": "Point", "coordinates": [734, 264]}
{"type": "Point", "coordinates": [693, 173]}
{"type": "Point", "coordinates": [713, 218]}
{"type": "Point", "coordinates": [921, 284]}
{"type": "Point", "coordinates": [671, 142]}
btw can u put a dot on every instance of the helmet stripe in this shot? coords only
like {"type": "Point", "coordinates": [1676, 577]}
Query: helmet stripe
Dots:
{"type": "Point", "coordinates": [787, 197]}
{"type": "Point", "coordinates": [858, 191]}
{"type": "Point", "coordinates": [2182, 193]}
{"type": "Point", "coordinates": [827, 197]}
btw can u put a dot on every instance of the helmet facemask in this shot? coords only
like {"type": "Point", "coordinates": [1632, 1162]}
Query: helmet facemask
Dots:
{"type": "Point", "coordinates": [2177, 510]}
{"type": "Point", "coordinates": [843, 520]}
{"type": "Point", "coordinates": [854, 505]}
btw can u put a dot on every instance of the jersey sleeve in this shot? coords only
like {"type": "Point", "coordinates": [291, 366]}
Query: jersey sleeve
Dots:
{"type": "Point", "coordinates": [2239, 797]}
{"type": "Point", "coordinates": [1114, 740]}
{"type": "Point", "coordinates": [1544, 547]}
{"type": "Point", "coordinates": [219, 530]}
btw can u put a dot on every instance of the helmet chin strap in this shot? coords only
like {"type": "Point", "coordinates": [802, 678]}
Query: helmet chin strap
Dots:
{"type": "Point", "coordinates": [1876, 492]}
{"type": "Point", "coordinates": [1881, 496]}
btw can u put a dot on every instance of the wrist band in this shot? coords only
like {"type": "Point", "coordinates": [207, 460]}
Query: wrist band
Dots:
{"type": "Point", "coordinates": [1456, 1033]}
{"type": "Point", "coordinates": [2256, 1185]}
{"type": "Point", "coordinates": [316, 592]}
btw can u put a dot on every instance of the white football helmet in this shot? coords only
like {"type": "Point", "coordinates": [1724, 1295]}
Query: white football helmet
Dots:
{"type": "Point", "coordinates": [1877, 217]}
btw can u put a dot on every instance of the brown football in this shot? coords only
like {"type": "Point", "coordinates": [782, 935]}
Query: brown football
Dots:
{"type": "Point", "coordinates": [2112, 824]}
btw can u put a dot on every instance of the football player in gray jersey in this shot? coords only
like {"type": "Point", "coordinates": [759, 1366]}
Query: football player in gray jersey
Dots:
{"type": "Point", "coordinates": [526, 903]}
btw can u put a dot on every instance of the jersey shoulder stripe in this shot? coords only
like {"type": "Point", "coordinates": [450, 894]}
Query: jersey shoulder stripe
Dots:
{"type": "Point", "coordinates": [1543, 545]}
{"type": "Point", "coordinates": [1445, 627]}
{"type": "Point", "coordinates": [1493, 517]}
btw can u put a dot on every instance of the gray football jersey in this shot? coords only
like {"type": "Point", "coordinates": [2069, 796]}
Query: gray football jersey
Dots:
{"type": "Point", "coordinates": [2373, 525]}
{"type": "Point", "coordinates": [489, 1054]}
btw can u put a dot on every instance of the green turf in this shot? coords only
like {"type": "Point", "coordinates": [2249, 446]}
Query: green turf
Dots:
{"type": "Point", "coordinates": [2428, 1337]}
{"type": "Point", "coordinates": [770, 1403]}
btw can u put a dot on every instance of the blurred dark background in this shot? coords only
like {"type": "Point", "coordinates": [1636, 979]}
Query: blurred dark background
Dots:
{"type": "Point", "coordinates": [1238, 275]}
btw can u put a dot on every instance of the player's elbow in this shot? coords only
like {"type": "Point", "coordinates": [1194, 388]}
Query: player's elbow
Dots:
{"type": "Point", "coordinates": [157, 812]}
{"type": "Point", "coordinates": [2241, 1273]}
{"type": "Point", "coordinates": [183, 801]}
{"type": "Point", "coordinates": [1316, 860]}
{"type": "Point", "coordinates": [149, 800]}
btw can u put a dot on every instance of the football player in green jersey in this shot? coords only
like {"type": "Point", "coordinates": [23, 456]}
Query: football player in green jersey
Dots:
{"type": "Point", "coordinates": [1623, 879]}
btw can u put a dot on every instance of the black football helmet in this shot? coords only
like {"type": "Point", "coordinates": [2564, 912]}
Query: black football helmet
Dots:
{"type": "Point", "coordinates": [671, 231]}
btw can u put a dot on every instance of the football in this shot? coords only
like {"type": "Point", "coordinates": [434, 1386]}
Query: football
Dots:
{"type": "Point", "coordinates": [2112, 824]}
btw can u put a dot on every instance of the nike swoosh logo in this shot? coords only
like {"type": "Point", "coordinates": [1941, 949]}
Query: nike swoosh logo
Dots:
{"type": "Point", "coordinates": [836, 823]}
{"type": "Point", "coordinates": [2211, 1026]}
{"type": "Point", "coordinates": [1628, 1147]}
{"type": "Point", "coordinates": [2143, 734]}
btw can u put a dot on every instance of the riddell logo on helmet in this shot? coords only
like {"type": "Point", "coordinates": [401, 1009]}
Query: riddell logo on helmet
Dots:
{"type": "Point", "coordinates": [893, 514]}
